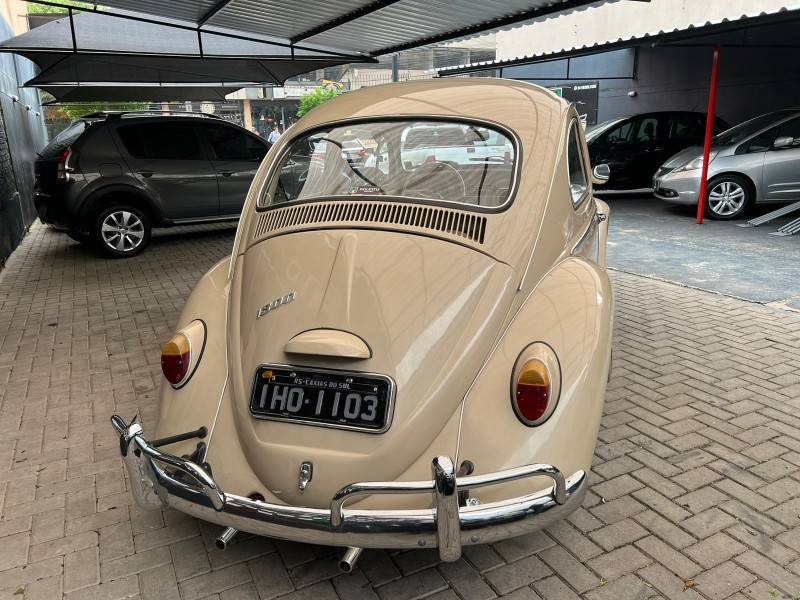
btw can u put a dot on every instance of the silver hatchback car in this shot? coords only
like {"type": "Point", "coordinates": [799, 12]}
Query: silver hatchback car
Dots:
{"type": "Point", "coordinates": [757, 161]}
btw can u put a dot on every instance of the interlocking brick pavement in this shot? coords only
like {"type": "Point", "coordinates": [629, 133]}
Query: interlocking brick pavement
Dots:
{"type": "Point", "coordinates": [696, 478]}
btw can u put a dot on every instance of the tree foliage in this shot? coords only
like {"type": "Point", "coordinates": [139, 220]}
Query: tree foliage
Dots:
{"type": "Point", "coordinates": [315, 98]}
{"type": "Point", "coordinates": [43, 9]}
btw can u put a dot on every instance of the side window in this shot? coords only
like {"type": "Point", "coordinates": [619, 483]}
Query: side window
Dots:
{"type": "Point", "coordinates": [646, 129]}
{"type": "Point", "coordinates": [228, 143]}
{"type": "Point", "coordinates": [619, 134]}
{"type": "Point", "coordinates": [578, 184]}
{"type": "Point", "coordinates": [170, 141]}
{"type": "Point", "coordinates": [791, 129]}
{"type": "Point", "coordinates": [763, 141]}
{"type": "Point", "coordinates": [686, 126]}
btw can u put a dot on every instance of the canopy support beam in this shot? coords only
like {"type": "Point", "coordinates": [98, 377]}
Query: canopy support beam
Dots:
{"type": "Point", "coordinates": [712, 100]}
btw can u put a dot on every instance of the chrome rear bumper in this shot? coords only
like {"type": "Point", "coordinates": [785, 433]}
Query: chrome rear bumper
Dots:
{"type": "Point", "coordinates": [155, 483]}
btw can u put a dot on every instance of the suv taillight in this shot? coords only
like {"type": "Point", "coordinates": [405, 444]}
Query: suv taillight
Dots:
{"type": "Point", "coordinates": [63, 167]}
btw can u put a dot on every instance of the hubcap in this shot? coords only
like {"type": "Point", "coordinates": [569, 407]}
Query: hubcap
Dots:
{"type": "Point", "coordinates": [122, 231]}
{"type": "Point", "coordinates": [726, 198]}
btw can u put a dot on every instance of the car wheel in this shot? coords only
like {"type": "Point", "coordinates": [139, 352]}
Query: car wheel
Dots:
{"type": "Point", "coordinates": [728, 197]}
{"type": "Point", "coordinates": [121, 230]}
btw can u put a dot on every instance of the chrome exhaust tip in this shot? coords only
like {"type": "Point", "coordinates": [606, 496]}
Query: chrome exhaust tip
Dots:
{"type": "Point", "coordinates": [225, 538]}
{"type": "Point", "coordinates": [348, 562]}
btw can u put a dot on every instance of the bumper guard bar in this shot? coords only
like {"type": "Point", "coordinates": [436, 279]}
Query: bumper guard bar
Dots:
{"type": "Point", "coordinates": [446, 525]}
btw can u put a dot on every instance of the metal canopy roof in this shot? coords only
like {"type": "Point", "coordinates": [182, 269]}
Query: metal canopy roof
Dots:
{"type": "Point", "coordinates": [371, 27]}
{"type": "Point", "coordinates": [773, 29]}
{"type": "Point", "coordinates": [249, 42]}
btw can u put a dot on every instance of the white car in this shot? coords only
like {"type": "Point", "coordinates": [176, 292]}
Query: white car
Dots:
{"type": "Point", "coordinates": [454, 144]}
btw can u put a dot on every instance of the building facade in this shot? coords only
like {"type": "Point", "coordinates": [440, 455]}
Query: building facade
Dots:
{"type": "Point", "coordinates": [22, 133]}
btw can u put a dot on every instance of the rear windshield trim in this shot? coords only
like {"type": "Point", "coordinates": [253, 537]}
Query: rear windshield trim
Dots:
{"type": "Point", "coordinates": [447, 119]}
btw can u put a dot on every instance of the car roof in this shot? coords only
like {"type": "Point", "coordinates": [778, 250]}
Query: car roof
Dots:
{"type": "Point", "coordinates": [482, 99]}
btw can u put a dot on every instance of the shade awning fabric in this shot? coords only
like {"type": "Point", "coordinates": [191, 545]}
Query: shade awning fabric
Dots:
{"type": "Point", "coordinates": [98, 48]}
{"type": "Point", "coordinates": [145, 93]}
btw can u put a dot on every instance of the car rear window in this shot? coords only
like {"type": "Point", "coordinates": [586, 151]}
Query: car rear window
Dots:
{"type": "Point", "coordinates": [163, 141]}
{"type": "Point", "coordinates": [403, 159]}
{"type": "Point", "coordinates": [64, 139]}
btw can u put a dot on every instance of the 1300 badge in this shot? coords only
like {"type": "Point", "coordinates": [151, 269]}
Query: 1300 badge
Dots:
{"type": "Point", "coordinates": [275, 304]}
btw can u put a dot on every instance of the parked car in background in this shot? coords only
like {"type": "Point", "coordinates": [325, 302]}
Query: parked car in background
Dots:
{"type": "Point", "coordinates": [394, 356]}
{"type": "Point", "coordinates": [454, 144]}
{"type": "Point", "coordinates": [757, 161]}
{"type": "Point", "coordinates": [109, 178]}
{"type": "Point", "coordinates": [634, 147]}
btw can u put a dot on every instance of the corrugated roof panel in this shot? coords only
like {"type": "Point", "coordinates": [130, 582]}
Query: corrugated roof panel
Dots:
{"type": "Point", "coordinates": [286, 19]}
{"type": "Point", "coordinates": [600, 45]}
{"type": "Point", "coordinates": [392, 24]}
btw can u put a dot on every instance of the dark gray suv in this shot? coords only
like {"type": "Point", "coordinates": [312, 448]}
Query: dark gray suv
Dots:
{"type": "Point", "coordinates": [110, 177]}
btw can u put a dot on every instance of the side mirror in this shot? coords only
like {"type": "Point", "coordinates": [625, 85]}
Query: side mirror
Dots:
{"type": "Point", "coordinates": [783, 142]}
{"type": "Point", "coordinates": [600, 174]}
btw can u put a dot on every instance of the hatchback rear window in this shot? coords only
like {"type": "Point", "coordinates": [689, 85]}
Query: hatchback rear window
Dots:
{"type": "Point", "coordinates": [64, 139]}
{"type": "Point", "coordinates": [407, 160]}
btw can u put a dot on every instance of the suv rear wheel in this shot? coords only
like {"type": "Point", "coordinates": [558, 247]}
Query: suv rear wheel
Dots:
{"type": "Point", "coordinates": [121, 230]}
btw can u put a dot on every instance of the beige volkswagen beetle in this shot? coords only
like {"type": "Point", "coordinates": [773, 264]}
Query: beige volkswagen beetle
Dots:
{"type": "Point", "coordinates": [410, 344]}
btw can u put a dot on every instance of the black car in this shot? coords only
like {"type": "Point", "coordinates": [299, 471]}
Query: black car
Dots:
{"type": "Point", "coordinates": [110, 177]}
{"type": "Point", "coordinates": [635, 147]}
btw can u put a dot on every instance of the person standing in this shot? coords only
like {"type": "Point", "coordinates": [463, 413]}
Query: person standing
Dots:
{"type": "Point", "coordinates": [274, 135]}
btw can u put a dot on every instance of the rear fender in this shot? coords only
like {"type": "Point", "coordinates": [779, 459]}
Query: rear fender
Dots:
{"type": "Point", "coordinates": [571, 311]}
{"type": "Point", "coordinates": [99, 198]}
{"type": "Point", "coordinates": [196, 403]}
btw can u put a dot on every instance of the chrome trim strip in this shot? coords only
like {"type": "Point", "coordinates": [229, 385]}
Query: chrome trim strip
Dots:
{"type": "Point", "coordinates": [389, 401]}
{"type": "Point", "coordinates": [597, 218]}
{"type": "Point", "coordinates": [446, 526]}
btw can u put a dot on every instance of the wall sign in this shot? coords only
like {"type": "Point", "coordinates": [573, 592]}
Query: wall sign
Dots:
{"type": "Point", "coordinates": [584, 96]}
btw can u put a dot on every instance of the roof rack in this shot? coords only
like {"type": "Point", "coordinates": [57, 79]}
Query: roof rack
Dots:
{"type": "Point", "coordinates": [118, 114]}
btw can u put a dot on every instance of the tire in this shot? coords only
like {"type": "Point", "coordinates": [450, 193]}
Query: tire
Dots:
{"type": "Point", "coordinates": [121, 230]}
{"type": "Point", "coordinates": [728, 197]}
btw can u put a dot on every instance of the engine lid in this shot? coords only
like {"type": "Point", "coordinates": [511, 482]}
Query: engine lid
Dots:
{"type": "Point", "coordinates": [428, 311]}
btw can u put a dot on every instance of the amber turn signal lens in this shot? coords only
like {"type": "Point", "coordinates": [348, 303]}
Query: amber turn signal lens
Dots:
{"type": "Point", "coordinates": [175, 359]}
{"type": "Point", "coordinates": [533, 393]}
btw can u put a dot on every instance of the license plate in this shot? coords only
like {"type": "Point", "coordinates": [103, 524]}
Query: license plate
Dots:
{"type": "Point", "coordinates": [325, 398]}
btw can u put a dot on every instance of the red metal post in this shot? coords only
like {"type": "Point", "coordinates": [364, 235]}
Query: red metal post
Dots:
{"type": "Point", "coordinates": [712, 101]}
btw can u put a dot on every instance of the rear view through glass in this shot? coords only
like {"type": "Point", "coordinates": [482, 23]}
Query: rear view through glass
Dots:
{"type": "Point", "coordinates": [449, 162]}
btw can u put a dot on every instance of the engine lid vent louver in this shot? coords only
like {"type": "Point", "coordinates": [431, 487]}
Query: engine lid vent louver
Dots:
{"type": "Point", "coordinates": [453, 222]}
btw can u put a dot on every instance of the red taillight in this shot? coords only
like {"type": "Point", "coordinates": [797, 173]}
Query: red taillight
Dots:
{"type": "Point", "coordinates": [533, 391]}
{"type": "Point", "coordinates": [431, 158]}
{"type": "Point", "coordinates": [536, 384]}
{"type": "Point", "coordinates": [176, 358]}
{"type": "Point", "coordinates": [63, 171]}
{"type": "Point", "coordinates": [507, 156]}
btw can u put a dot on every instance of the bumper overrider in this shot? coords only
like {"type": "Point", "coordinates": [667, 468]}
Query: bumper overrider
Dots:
{"type": "Point", "coordinates": [160, 479]}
